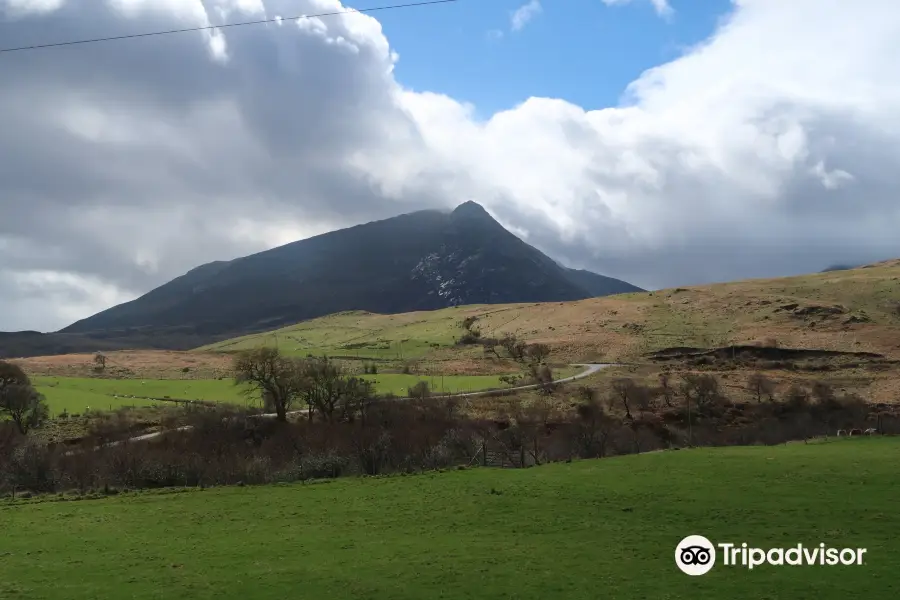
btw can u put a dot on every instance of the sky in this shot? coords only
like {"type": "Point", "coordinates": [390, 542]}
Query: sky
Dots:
{"type": "Point", "coordinates": [662, 142]}
{"type": "Point", "coordinates": [584, 51]}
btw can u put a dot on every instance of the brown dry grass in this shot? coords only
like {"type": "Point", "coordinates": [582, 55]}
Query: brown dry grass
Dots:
{"type": "Point", "coordinates": [626, 327]}
{"type": "Point", "coordinates": [150, 364]}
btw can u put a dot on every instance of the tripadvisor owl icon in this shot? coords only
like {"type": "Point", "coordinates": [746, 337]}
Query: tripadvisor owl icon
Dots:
{"type": "Point", "coordinates": [695, 555]}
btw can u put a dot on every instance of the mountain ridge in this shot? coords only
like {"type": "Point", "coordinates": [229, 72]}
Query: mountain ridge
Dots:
{"type": "Point", "coordinates": [422, 260]}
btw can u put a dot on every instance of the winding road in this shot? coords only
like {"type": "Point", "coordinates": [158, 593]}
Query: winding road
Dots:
{"type": "Point", "coordinates": [590, 369]}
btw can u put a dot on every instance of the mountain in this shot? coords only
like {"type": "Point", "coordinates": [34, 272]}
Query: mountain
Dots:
{"type": "Point", "coordinates": [419, 261]}
{"type": "Point", "coordinates": [598, 285]}
{"type": "Point", "coordinates": [839, 268]}
{"type": "Point", "coordinates": [20, 344]}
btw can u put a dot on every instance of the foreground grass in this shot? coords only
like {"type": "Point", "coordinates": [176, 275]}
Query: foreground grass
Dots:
{"type": "Point", "coordinates": [589, 530]}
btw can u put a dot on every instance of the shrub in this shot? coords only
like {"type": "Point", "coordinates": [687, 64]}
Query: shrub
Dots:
{"type": "Point", "coordinates": [469, 321]}
{"type": "Point", "coordinates": [419, 391]}
{"type": "Point", "coordinates": [797, 398]}
{"type": "Point", "coordinates": [324, 466]}
{"type": "Point", "coordinates": [470, 337]}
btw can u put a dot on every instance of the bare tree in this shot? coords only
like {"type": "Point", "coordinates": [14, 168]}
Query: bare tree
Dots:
{"type": "Point", "coordinates": [19, 400]}
{"type": "Point", "coordinates": [419, 391]}
{"type": "Point", "coordinates": [100, 361]}
{"type": "Point", "coordinates": [534, 421]}
{"type": "Point", "coordinates": [320, 386]}
{"type": "Point", "coordinates": [356, 394]}
{"type": "Point", "coordinates": [279, 380]}
{"type": "Point", "coordinates": [542, 375]}
{"type": "Point", "coordinates": [797, 397]}
{"type": "Point", "coordinates": [593, 427]}
{"type": "Point", "coordinates": [642, 397]}
{"type": "Point", "coordinates": [451, 406]}
{"type": "Point", "coordinates": [703, 389]}
{"type": "Point", "coordinates": [624, 390]}
{"type": "Point", "coordinates": [513, 346]}
{"type": "Point", "coordinates": [490, 345]}
{"type": "Point", "coordinates": [665, 389]}
{"type": "Point", "coordinates": [759, 385]}
{"type": "Point", "coordinates": [824, 394]}
{"type": "Point", "coordinates": [537, 353]}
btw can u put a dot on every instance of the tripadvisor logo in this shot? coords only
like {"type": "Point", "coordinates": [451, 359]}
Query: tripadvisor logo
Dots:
{"type": "Point", "coordinates": [696, 555]}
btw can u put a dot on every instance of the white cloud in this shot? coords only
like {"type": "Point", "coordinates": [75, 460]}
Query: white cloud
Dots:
{"type": "Point", "coordinates": [662, 7]}
{"type": "Point", "coordinates": [831, 179]}
{"type": "Point", "coordinates": [525, 13]}
{"type": "Point", "coordinates": [21, 8]}
{"type": "Point", "coordinates": [49, 297]}
{"type": "Point", "coordinates": [771, 148]}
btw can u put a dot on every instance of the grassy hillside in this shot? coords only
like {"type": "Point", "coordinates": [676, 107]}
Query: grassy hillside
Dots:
{"type": "Point", "coordinates": [363, 334]}
{"type": "Point", "coordinates": [852, 310]}
{"type": "Point", "coordinates": [605, 528]}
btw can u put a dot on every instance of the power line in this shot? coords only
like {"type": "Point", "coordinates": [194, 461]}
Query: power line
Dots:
{"type": "Point", "coordinates": [208, 27]}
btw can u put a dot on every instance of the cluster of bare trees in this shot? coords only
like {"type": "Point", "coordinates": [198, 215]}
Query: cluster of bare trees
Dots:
{"type": "Point", "coordinates": [531, 357]}
{"type": "Point", "coordinates": [696, 390]}
{"type": "Point", "coordinates": [318, 383]}
{"type": "Point", "coordinates": [516, 349]}
{"type": "Point", "coordinates": [218, 446]}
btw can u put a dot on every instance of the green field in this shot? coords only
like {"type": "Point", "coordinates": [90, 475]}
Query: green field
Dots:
{"type": "Point", "coordinates": [585, 530]}
{"type": "Point", "coordinates": [61, 397]}
{"type": "Point", "coordinates": [77, 394]}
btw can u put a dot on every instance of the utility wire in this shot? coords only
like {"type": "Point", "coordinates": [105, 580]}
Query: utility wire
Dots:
{"type": "Point", "coordinates": [208, 27]}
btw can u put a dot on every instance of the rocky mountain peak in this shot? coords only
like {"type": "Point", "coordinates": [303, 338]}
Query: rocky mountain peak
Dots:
{"type": "Point", "coordinates": [471, 209]}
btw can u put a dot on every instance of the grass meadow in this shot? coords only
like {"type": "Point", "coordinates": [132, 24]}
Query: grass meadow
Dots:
{"type": "Point", "coordinates": [585, 530]}
{"type": "Point", "coordinates": [78, 394]}
{"type": "Point", "coordinates": [360, 334]}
